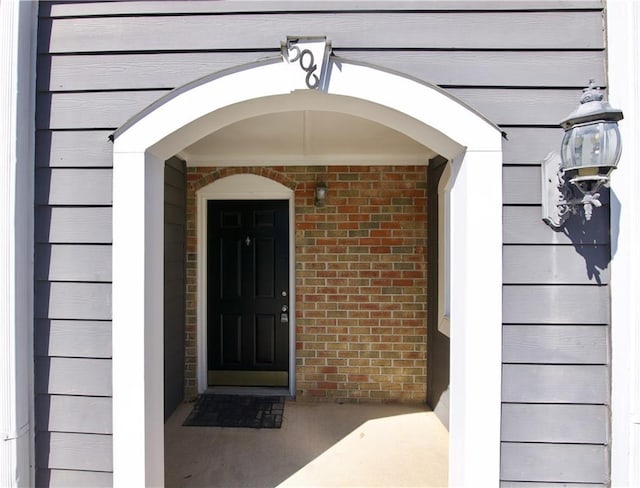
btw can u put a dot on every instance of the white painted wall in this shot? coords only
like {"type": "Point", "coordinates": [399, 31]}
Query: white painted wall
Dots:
{"type": "Point", "coordinates": [623, 51]}
{"type": "Point", "coordinates": [17, 116]}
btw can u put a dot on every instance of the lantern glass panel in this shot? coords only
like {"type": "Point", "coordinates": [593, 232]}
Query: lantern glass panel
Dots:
{"type": "Point", "coordinates": [612, 144]}
{"type": "Point", "coordinates": [595, 145]}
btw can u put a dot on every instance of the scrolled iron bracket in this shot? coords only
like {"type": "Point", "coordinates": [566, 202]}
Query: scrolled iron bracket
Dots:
{"type": "Point", "coordinates": [562, 198]}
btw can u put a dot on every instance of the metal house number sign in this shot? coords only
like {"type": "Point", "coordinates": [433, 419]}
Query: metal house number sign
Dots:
{"type": "Point", "coordinates": [311, 56]}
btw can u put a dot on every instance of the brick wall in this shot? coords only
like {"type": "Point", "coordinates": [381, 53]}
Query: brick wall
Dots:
{"type": "Point", "coordinates": [360, 280]}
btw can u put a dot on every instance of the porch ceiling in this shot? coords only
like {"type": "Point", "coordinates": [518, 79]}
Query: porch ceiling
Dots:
{"type": "Point", "coordinates": [306, 137]}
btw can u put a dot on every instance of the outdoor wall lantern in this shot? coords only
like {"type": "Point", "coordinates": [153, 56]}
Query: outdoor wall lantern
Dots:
{"type": "Point", "coordinates": [590, 151]}
{"type": "Point", "coordinates": [321, 194]}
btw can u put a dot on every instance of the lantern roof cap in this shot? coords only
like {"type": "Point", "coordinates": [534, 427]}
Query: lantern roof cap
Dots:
{"type": "Point", "coordinates": [592, 108]}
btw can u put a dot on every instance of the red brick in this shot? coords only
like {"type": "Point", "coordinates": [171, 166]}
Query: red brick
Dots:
{"type": "Point", "coordinates": [360, 279]}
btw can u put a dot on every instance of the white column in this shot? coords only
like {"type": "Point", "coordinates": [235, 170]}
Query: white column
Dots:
{"type": "Point", "coordinates": [17, 114]}
{"type": "Point", "coordinates": [138, 347]}
{"type": "Point", "coordinates": [476, 319]}
{"type": "Point", "coordinates": [623, 55]}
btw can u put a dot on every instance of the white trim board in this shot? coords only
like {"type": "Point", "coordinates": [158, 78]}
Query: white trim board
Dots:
{"type": "Point", "coordinates": [418, 110]}
{"type": "Point", "coordinates": [18, 26]}
{"type": "Point", "coordinates": [324, 160]}
{"type": "Point", "coordinates": [241, 187]}
{"type": "Point", "coordinates": [623, 55]}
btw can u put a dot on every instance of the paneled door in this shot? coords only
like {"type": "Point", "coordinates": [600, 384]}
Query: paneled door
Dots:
{"type": "Point", "coordinates": [248, 293]}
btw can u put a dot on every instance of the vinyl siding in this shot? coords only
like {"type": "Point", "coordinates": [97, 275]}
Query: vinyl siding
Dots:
{"type": "Point", "coordinates": [438, 344]}
{"type": "Point", "coordinates": [175, 202]}
{"type": "Point", "coordinates": [522, 64]}
{"type": "Point", "coordinates": [505, 106]}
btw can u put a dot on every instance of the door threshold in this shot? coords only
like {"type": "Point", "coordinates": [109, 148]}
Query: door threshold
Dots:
{"type": "Point", "coordinates": [248, 390]}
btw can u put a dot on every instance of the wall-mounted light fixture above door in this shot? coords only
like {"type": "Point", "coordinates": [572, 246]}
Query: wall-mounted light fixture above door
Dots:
{"type": "Point", "coordinates": [321, 194]}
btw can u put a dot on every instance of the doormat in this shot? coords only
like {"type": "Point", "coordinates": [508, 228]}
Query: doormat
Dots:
{"type": "Point", "coordinates": [255, 412]}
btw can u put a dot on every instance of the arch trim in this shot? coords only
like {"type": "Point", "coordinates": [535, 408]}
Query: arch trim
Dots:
{"type": "Point", "coordinates": [471, 144]}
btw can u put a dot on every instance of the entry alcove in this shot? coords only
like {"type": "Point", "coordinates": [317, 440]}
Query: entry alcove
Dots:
{"type": "Point", "coordinates": [214, 104]}
{"type": "Point", "coordinates": [361, 259]}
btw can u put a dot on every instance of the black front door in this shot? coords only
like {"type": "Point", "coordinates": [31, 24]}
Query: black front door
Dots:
{"type": "Point", "coordinates": [248, 293]}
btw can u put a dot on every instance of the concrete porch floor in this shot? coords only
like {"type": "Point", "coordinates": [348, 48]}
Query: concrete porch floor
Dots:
{"type": "Point", "coordinates": [319, 444]}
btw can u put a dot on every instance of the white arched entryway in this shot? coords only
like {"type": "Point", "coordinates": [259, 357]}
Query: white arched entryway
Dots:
{"type": "Point", "coordinates": [418, 110]}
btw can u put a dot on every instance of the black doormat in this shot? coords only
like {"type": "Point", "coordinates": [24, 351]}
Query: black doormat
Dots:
{"type": "Point", "coordinates": [256, 412]}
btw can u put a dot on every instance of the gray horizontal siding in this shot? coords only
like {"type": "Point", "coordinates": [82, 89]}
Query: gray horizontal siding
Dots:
{"type": "Point", "coordinates": [65, 149]}
{"type": "Point", "coordinates": [175, 200]}
{"type": "Point", "coordinates": [544, 383]}
{"type": "Point", "coordinates": [175, 178]}
{"type": "Point", "coordinates": [63, 478]}
{"type": "Point", "coordinates": [535, 264]}
{"type": "Point", "coordinates": [83, 452]}
{"type": "Point", "coordinates": [216, 6]}
{"type": "Point", "coordinates": [174, 196]}
{"type": "Point", "coordinates": [514, 30]}
{"type": "Point", "coordinates": [555, 304]}
{"type": "Point", "coordinates": [490, 68]}
{"type": "Point", "coordinates": [137, 71]}
{"type": "Point", "coordinates": [73, 225]}
{"type": "Point", "coordinates": [62, 413]}
{"type": "Point", "coordinates": [73, 376]}
{"type": "Point", "coordinates": [529, 145]}
{"type": "Point", "coordinates": [169, 70]}
{"type": "Point", "coordinates": [559, 462]}
{"type": "Point", "coordinates": [65, 300]}
{"type": "Point", "coordinates": [73, 338]}
{"type": "Point", "coordinates": [521, 185]}
{"type": "Point", "coordinates": [173, 242]}
{"type": "Point", "coordinates": [112, 109]}
{"type": "Point", "coordinates": [555, 344]}
{"type": "Point", "coordinates": [73, 262]}
{"type": "Point", "coordinates": [570, 424]}
{"type": "Point", "coordinates": [524, 225]}
{"type": "Point", "coordinates": [519, 63]}
{"type": "Point", "coordinates": [519, 106]}
{"type": "Point", "coordinates": [90, 148]}
{"type": "Point", "coordinates": [92, 110]}
{"type": "Point", "coordinates": [62, 186]}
